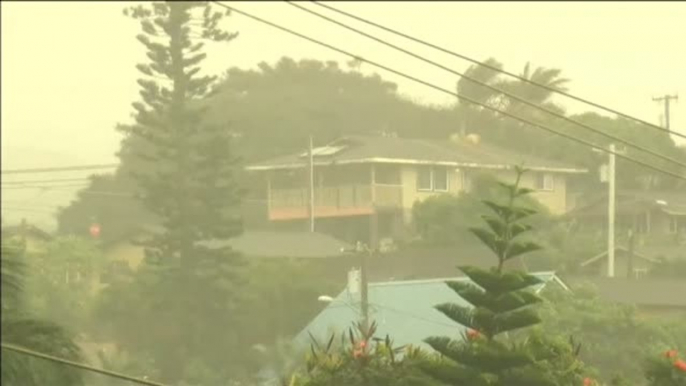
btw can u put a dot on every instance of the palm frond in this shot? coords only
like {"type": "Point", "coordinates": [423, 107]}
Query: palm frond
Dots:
{"type": "Point", "coordinates": [12, 274]}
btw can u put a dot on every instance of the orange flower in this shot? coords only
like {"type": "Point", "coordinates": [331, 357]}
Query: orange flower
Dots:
{"type": "Point", "coordinates": [681, 365]}
{"type": "Point", "coordinates": [670, 354]}
{"type": "Point", "coordinates": [473, 334]}
{"type": "Point", "coordinates": [589, 381]}
{"type": "Point", "coordinates": [363, 344]}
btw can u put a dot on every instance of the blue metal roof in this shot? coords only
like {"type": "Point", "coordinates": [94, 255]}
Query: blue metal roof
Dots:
{"type": "Point", "coordinates": [402, 309]}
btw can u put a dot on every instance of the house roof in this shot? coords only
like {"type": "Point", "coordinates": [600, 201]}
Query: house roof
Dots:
{"type": "Point", "coordinates": [405, 310]}
{"type": "Point", "coordinates": [27, 229]}
{"type": "Point", "coordinates": [632, 201]}
{"type": "Point", "coordinates": [603, 254]}
{"type": "Point", "coordinates": [380, 149]}
{"type": "Point", "coordinates": [273, 244]}
{"type": "Point", "coordinates": [640, 292]}
{"type": "Point", "coordinates": [423, 262]}
{"type": "Point", "coordinates": [287, 244]}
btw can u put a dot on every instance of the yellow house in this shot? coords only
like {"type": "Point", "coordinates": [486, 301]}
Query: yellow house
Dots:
{"type": "Point", "coordinates": [365, 186]}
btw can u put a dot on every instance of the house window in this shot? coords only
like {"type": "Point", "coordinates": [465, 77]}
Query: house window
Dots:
{"type": "Point", "coordinates": [387, 175]}
{"type": "Point", "coordinates": [440, 179]}
{"type": "Point", "coordinates": [673, 224]}
{"type": "Point", "coordinates": [433, 179]}
{"type": "Point", "coordinates": [424, 179]}
{"type": "Point", "coordinates": [545, 181]}
{"type": "Point", "coordinates": [640, 272]}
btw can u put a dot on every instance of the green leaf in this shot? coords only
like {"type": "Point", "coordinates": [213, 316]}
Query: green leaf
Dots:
{"type": "Point", "coordinates": [461, 315]}
{"type": "Point", "coordinates": [497, 225]}
{"type": "Point", "coordinates": [498, 283]}
{"type": "Point", "coordinates": [500, 210]}
{"type": "Point", "coordinates": [491, 240]}
{"type": "Point", "coordinates": [517, 249]}
{"type": "Point", "coordinates": [515, 320]}
{"type": "Point", "coordinates": [517, 229]}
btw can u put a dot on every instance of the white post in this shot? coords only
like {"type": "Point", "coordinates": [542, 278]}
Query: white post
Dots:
{"type": "Point", "coordinates": [611, 214]}
{"type": "Point", "coordinates": [311, 187]}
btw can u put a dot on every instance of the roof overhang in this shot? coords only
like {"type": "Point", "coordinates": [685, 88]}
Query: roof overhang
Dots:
{"type": "Point", "coordinates": [674, 212]}
{"type": "Point", "coordinates": [402, 161]}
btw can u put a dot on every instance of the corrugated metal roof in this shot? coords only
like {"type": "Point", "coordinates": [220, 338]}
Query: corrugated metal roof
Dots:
{"type": "Point", "coordinates": [379, 149]}
{"type": "Point", "coordinates": [403, 309]}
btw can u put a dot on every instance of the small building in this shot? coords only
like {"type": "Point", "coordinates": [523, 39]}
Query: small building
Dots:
{"type": "Point", "coordinates": [627, 264]}
{"type": "Point", "coordinates": [32, 237]}
{"type": "Point", "coordinates": [653, 297]}
{"type": "Point", "coordinates": [658, 219]}
{"type": "Point", "coordinates": [125, 255]}
{"type": "Point", "coordinates": [365, 186]}
{"type": "Point", "coordinates": [405, 310]}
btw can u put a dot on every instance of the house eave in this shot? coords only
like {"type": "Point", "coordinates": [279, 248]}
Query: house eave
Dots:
{"type": "Point", "coordinates": [401, 161]}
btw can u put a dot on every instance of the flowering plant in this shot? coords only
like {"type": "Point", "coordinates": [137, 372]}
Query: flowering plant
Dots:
{"type": "Point", "coordinates": [667, 370]}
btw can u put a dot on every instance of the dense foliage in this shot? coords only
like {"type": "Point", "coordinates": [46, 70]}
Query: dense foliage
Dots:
{"type": "Point", "coordinates": [667, 370]}
{"type": "Point", "coordinates": [500, 303]}
{"type": "Point", "coordinates": [359, 358]}
{"type": "Point", "coordinates": [20, 327]}
{"type": "Point", "coordinates": [615, 337]}
{"type": "Point", "coordinates": [64, 285]}
{"type": "Point", "coordinates": [446, 219]}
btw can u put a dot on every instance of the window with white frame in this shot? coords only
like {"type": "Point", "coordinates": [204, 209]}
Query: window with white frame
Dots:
{"type": "Point", "coordinates": [545, 182]}
{"type": "Point", "coordinates": [424, 179]}
{"type": "Point", "coordinates": [440, 179]}
{"type": "Point", "coordinates": [435, 179]}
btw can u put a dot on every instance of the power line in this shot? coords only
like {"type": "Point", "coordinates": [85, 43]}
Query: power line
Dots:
{"type": "Point", "coordinates": [81, 366]}
{"type": "Point", "coordinates": [44, 187]}
{"type": "Point", "coordinates": [488, 86]}
{"type": "Point", "coordinates": [461, 97]}
{"type": "Point", "coordinates": [28, 210]}
{"type": "Point", "coordinates": [486, 65]}
{"type": "Point", "coordinates": [59, 169]}
{"type": "Point", "coordinates": [45, 181]}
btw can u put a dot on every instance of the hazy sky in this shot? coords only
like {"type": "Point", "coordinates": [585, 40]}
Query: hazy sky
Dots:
{"type": "Point", "coordinates": [68, 71]}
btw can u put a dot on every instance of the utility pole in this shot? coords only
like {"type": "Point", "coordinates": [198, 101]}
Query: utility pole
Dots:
{"type": "Point", "coordinates": [630, 266]}
{"type": "Point", "coordinates": [611, 213]}
{"type": "Point", "coordinates": [363, 251]}
{"type": "Point", "coordinates": [310, 157]}
{"type": "Point", "coordinates": [364, 290]}
{"type": "Point", "coordinates": [666, 100]}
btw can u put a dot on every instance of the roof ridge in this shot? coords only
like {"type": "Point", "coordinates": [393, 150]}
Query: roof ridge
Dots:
{"type": "Point", "coordinates": [438, 280]}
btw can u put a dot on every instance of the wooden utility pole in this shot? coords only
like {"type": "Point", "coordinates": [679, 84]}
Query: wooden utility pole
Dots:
{"type": "Point", "coordinates": [364, 290]}
{"type": "Point", "coordinates": [310, 156]}
{"type": "Point", "coordinates": [611, 213]}
{"type": "Point", "coordinates": [630, 265]}
{"type": "Point", "coordinates": [666, 100]}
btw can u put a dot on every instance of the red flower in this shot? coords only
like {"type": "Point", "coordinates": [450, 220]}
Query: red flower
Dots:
{"type": "Point", "coordinates": [473, 334]}
{"type": "Point", "coordinates": [589, 381]}
{"type": "Point", "coordinates": [670, 354]}
{"type": "Point", "coordinates": [362, 344]}
{"type": "Point", "coordinates": [681, 365]}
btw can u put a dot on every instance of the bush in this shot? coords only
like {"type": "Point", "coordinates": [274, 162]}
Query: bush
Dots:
{"type": "Point", "coordinates": [361, 359]}
{"type": "Point", "coordinates": [667, 370]}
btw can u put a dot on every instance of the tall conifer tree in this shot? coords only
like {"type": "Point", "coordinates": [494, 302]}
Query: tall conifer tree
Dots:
{"type": "Point", "coordinates": [184, 173]}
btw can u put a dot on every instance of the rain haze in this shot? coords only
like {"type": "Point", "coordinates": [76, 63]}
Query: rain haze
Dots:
{"type": "Point", "coordinates": [327, 191]}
